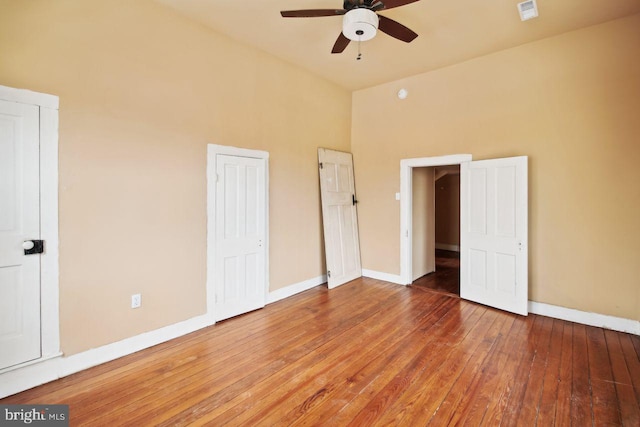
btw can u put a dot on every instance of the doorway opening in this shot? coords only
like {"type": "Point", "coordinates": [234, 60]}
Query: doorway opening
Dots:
{"type": "Point", "coordinates": [421, 173]}
{"type": "Point", "coordinates": [436, 228]}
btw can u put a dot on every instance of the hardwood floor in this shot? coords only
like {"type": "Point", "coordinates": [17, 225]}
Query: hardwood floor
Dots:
{"type": "Point", "coordinates": [366, 353]}
{"type": "Point", "coordinates": [446, 278]}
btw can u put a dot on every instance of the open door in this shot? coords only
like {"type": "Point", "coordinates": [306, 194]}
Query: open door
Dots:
{"type": "Point", "coordinates": [494, 233]}
{"type": "Point", "coordinates": [339, 217]}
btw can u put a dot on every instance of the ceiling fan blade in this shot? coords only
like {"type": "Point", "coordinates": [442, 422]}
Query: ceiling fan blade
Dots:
{"type": "Point", "coordinates": [341, 44]}
{"type": "Point", "coordinates": [390, 4]}
{"type": "Point", "coordinates": [395, 29]}
{"type": "Point", "coordinates": [312, 13]}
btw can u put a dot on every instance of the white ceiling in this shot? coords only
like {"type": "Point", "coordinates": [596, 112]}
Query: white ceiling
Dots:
{"type": "Point", "coordinates": [449, 32]}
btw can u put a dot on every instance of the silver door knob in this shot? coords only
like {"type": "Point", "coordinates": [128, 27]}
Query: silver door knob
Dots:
{"type": "Point", "coordinates": [27, 244]}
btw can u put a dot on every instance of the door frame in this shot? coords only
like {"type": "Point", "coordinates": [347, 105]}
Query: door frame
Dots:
{"type": "Point", "coordinates": [49, 261]}
{"type": "Point", "coordinates": [406, 205]}
{"type": "Point", "coordinates": [212, 151]}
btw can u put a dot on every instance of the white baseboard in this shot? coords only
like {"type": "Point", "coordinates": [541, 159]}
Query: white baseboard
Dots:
{"type": "Point", "coordinates": [448, 247]}
{"type": "Point", "coordinates": [393, 278]}
{"type": "Point", "coordinates": [296, 288]}
{"type": "Point", "coordinates": [24, 378]}
{"type": "Point", "coordinates": [592, 319]}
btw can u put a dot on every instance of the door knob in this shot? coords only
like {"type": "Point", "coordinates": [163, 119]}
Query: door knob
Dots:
{"type": "Point", "coordinates": [33, 247]}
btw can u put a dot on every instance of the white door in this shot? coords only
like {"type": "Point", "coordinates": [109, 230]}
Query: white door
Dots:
{"type": "Point", "coordinates": [240, 270]}
{"type": "Point", "coordinates": [494, 234]}
{"type": "Point", "coordinates": [339, 217]}
{"type": "Point", "coordinates": [19, 223]}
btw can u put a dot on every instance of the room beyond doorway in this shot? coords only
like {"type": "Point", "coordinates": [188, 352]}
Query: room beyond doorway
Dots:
{"type": "Point", "coordinates": [436, 228]}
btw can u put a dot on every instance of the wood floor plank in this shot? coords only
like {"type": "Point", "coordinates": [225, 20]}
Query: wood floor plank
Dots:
{"type": "Point", "coordinates": [632, 358]}
{"type": "Point", "coordinates": [533, 393]}
{"type": "Point", "coordinates": [366, 353]}
{"type": "Point", "coordinates": [606, 410]}
{"type": "Point", "coordinates": [216, 402]}
{"type": "Point", "coordinates": [468, 315]}
{"type": "Point", "coordinates": [314, 384]}
{"type": "Point", "coordinates": [565, 378]}
{"type": "Point", "coordinates": [493, 382]}
{"type": "Point", "coordinates": [629, 409]}
{"type": "Point", "coordinates": [466, 388]}
{"type": "Point", "coordinates": [119, 397]}
{"type": "Point", "coordinates": [432, 386]}
{"type": "Point", "coordinates": [635, 339]}
{"type": "Point", "coordinates": [397, 376]}
{"type": "Point", "coordinates": [518, 388]}
{"type": "Point", "coordinates": [581, 404]}
{"type": "Point", "coordinates": [104, 373]}
{"type": "Point", "coordinates": [509, 372]}
{"type": "Point", "coordinates": [371, 371]}
{"type": "Point", "coordinates": [258, 365]}
{"type": "Point", "coordinates": [551, 378]}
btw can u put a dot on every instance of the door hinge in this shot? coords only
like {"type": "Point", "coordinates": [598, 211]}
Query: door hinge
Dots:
{"type": "Point", "coordinates": [329, 273]}
{"type": "Point", "coordinates": [321, 165]}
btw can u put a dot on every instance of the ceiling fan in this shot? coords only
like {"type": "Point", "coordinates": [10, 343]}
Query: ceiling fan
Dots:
{"type": "Point", "coordinates": [360, 21]}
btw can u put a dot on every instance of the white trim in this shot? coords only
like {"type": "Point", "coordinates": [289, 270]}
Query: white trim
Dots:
{"type": "Point", "coordinates": [24, 96]}
{"type": "Point", "coordinates": [586, 318]}
{"type": "Point", "coordinates": [448, 247]}
{"type": "Point", "coordinates": [387, 277]}
{"type": "Point", "coordinates": [406, 204]}
{"type": "Point", "coordinates": [49, 261]}
{"type": "Point", "coordinates": [212, 151]}
{"type": "Point", "coordinates": [296, 288]}
{"type": "Point", "coordinates": [236, 151]}
{"type": "Point", "coordinates": [34, 375]}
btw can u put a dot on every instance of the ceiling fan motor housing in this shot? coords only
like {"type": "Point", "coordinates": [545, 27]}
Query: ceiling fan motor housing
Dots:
{"type": "Point", "coordinates": [360, 24]}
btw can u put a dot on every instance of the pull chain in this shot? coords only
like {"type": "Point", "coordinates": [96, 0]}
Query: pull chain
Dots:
{"type": "Point", "coordinates": [359, 54]}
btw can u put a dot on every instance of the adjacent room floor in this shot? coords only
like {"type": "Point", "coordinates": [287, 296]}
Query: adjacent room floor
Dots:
{"type": "Point", "coordinates": [446, 278]}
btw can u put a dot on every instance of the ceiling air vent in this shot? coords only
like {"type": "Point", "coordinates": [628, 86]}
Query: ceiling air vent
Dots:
{"type": "Point", "coordinates": [528, 10]}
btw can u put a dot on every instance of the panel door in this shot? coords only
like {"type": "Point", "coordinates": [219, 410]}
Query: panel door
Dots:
{"type": "Point", "coordinates": [339, 217]}
{"type": "Point", "coordinates": [19, 222]}
{"type": "Point", "coordinates": [240, 271]}
{"type": "Point", "coordinates": [494, 233]}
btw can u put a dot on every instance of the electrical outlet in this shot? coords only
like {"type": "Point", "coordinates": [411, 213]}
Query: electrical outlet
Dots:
{"type": "Point", "coordinates": [136, 301]}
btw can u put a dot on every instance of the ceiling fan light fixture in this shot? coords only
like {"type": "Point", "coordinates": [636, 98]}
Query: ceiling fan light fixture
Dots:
{"type": "Point", "coordinates": [360, 24]}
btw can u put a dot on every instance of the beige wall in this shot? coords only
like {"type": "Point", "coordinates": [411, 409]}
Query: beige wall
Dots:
{"type": "Point", "coordinates": [571, 103]}
{"type": "Point", "coordinates": [142, 91]}
{"type": "Point", "coordinates": [423, 222]}
{"type": "Point", "coordinates": [448, 210]}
